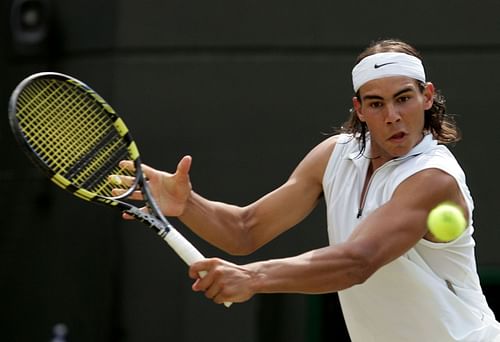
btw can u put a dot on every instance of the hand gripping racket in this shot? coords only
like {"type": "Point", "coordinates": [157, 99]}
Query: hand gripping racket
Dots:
{"type": "Point", "coordinates": [72, 134]}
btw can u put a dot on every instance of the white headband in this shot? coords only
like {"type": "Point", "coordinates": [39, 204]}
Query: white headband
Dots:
{"type": "Point", "coordinates": [386, 64]}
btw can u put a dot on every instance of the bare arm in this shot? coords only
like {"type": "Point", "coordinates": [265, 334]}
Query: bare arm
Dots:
{"type": "Point", "coordinates": [235, 229]}
{"type": "Point", "coordinates": [241, 230]}
{"type": "Point", "coordinates": [383, 236]}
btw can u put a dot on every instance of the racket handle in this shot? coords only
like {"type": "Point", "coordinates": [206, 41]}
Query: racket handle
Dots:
{"type": "Point", "coordinates": [186, 251]}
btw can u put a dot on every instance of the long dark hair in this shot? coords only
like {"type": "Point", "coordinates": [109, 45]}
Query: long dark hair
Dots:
{"type": "Point", "coordinates": [440, 124]}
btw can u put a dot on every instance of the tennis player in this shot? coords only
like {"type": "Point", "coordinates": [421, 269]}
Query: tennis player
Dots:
{"type": "Point", "coordinates": [380, 177]}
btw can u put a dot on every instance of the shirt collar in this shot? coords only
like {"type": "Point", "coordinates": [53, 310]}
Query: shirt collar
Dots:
{"type": "Point", "coordinates": [424, 145]}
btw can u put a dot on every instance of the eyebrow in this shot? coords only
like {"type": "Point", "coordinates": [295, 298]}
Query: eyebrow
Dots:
{"type": "Point", "coordinates": [378, 97]}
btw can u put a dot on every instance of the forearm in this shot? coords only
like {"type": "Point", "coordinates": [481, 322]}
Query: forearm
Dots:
{"type": "Point", "coordinates": [223, 225]}
{"type": "Point", "coordinates": [329, 269]}
{"type": "Point", "coordinates": [242, 230]}
{"type": "Point", "coordinates": [323, 270]}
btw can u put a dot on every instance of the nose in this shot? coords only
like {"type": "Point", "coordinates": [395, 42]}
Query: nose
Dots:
{"type": "Point", "coordinates": [392, 114]}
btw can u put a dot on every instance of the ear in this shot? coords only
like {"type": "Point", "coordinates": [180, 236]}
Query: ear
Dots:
{"type": "Point", "coordinates": [429, 92]}
{"type": "Point", "coordinates": [356, 105]}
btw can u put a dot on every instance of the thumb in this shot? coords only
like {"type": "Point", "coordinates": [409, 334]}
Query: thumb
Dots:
{"type": "Point", "coordinates": [184, 165]}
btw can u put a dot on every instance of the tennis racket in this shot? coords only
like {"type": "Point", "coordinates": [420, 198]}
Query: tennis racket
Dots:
{"type": "Point", "coordinates": [72, 134]}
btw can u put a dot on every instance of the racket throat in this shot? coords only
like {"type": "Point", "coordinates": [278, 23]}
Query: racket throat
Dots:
{"type": "Point", "coordinates": [160, 226]}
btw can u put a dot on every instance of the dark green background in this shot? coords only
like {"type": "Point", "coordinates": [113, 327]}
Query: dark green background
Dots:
{"type": "Point", "coordinates": [247, 88]}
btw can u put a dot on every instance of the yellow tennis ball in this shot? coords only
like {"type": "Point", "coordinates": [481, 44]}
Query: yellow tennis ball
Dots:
{"type": "Point", "coordinates": [446, 222]}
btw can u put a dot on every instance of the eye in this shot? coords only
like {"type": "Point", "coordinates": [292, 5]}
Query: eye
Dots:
{"type": "Point", "coordinates": [375, 104]}
{"type": "Point", "coordinates": [404, 98]}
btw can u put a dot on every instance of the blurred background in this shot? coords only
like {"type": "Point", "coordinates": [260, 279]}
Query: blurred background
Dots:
{"type": "Point", "coordinates": [247, 88]}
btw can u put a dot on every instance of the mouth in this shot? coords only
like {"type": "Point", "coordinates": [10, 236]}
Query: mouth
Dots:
{"type": "Point", "coordinates": [397, 137]}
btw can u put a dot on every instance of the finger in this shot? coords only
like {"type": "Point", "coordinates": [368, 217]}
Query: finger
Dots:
{"type": "Point", "coordinates": [195, 287]}
{"type": "Point", "coordinates": [127, 165]}
{"type": "Point", "coordinates": [130, 166]}
{"type": "Point", "coordinates": [193, 274]}
{"type": "Point", "coordinates": [148, 171]}
{"type": "Point", "coordinates": [128, 216]}
{"type": "Point", "coordinates": [184, 165]}
{"type": "Point", "coordinates": [135, 196]}
{"type": "Point", "coordinates": [117, 192]}
{"type": "Point", "coordinates": [201, 284]}
{"type": "Point", "coordinates": [207, 285]}
{"type": "Point", "coordinates": [199, 267]}
{"type": "Point", "coordinates": [121, 181]}
{"type": "Point", "coordinates": [213, 291]}
{"type": "Point", "coordinates": [221, 299]}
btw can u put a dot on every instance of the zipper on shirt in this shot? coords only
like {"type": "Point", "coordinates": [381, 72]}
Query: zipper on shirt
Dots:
{"type": "Point", "coordinates": [363, 199]}
{"type": "Point", "coordinates": [360, 212]}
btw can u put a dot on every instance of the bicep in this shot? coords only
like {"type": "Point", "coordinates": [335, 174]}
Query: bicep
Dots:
{"type": "Point", "coordinates": [395, 227]}
{"type": "Point", "coordinates": [286, 206]}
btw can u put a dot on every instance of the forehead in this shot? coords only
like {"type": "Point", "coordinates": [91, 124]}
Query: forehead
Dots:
{"type": "Point", "coordinates": [388, 86]}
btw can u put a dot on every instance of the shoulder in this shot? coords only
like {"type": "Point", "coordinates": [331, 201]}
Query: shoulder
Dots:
{"type": "Point", "coordinates": [322, 152]}
{"type": "Point", "coordinates": [335, 149]}
{"type": "Point", "coordinates": [314, 163]}
{"type": "Point", "coordinates": [445, 187]}
{"type": "Point", "coordinates": [431, 178]}
{"type": "Point", "coordinates": [329, 145]}
{"type": "Point", "coordinates": [435, 169]}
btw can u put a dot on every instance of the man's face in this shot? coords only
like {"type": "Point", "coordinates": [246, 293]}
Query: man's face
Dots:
{"type": "Point", "coordinates": [393, 109]}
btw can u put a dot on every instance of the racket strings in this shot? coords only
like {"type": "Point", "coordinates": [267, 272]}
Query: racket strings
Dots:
{"type": "Point", "coordinates": [72, 134]}
{"type": "Point", "coordinates": [59, 121]}
{"type": "Point", "coordinates": [95, 176]}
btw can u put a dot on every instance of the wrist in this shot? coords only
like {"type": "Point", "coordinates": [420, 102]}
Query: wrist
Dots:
{"type": "Point", "coordinates": [258, 277]}
{"type": "Point", "coordinates": [188, 203]}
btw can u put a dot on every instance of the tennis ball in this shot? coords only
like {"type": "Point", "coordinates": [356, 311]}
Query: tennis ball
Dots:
{"type": "Point", "coordinates": [446, 222]}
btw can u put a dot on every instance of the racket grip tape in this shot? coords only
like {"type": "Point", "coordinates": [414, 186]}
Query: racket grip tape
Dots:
{"type": "Point", "coordinates": [186, 251]}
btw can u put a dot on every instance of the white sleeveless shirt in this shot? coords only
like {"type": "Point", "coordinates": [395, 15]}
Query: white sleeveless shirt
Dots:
{"type": "Point", "coordinates": [432, 292]}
